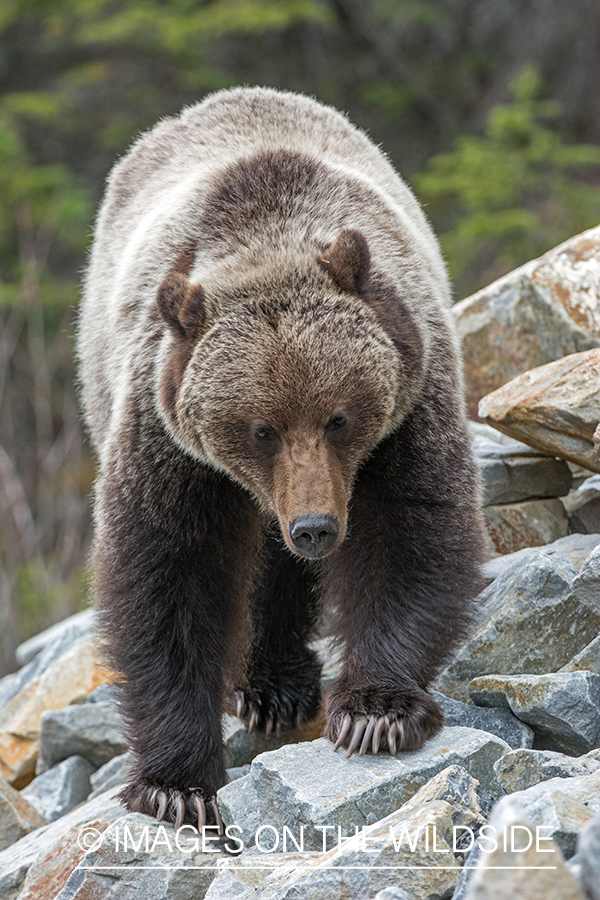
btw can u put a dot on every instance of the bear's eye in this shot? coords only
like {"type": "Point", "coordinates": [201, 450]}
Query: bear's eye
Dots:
{"type": "Point", "coordinates": [264, 433]}
{"type": "Point", "coordinates": [336, 422]}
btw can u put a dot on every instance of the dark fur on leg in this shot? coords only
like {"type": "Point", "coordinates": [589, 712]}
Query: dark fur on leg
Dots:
{"type": "Point", "coordinates": [404, 580]}
{"type": "Point", "coordinates": [283, 679]}
{"type": "Point", "coordinates": [173, 564]}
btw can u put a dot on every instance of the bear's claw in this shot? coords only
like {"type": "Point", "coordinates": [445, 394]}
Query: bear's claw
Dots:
{"type": "Point", "coordinates": [171, 805]}
{"type": "Point", "coordinates": [362, 720]}
{"type": "Point", "coordinates": [274, 718]}
{"type": "Point", "coordinates": [375, 731]}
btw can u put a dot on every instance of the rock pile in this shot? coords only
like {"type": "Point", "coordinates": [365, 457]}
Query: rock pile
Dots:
{"type": "Point", "coordinates": [546, 309]}
{"type": "Point", "coordinates": [503, 804]}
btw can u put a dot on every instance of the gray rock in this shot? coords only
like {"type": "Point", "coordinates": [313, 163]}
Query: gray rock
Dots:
{"type": "Point", "coordinates": [576, 547]}
{"type": "Point", "coordinates": [583, 506]}
{"type": "Point", "coordinates": [392, 893]}
{"type": "Point", "coordinates": [241, 747]}
{"type": "Point", "coordinates": [309, 783]}
{"type": "Point", "coordinates": [500, 722]}
{"type": "Point", "coordinates": [68, 635]}
{"type": "Point", "coordinates": [588, 852]}
{"type": "Point", "coordinates": [531, 871]}
{"type": "Point", "coordinates": [137, 856]}
{"type": "Point", "coordinates": [238, 772]}
{"type": "Point", "coordinates": [530, 523]}
{"type": "Point", "coordinates": [562, 708]}
{"type": "Point", "coordinates": [17, 815]}
{"type": "Point", "coordinates": [61, 788]}
{"type": "Point", "coordinates": [586, 587]}
{"type": "Point", "coordinates": [114, 772]}
{"type": "Point", "coordinates": [104, 693]}
{"type": "Point", "coordinates": [530, 623]}
{"type": "Point", "coordinates": [241, 879]}
{"type": "Point", "coordinates": [506, 478]}
{"type": "Point", "coordinates": [538, 312]}
{"type": "Point", "coordinates": [47, 849]}
{"type": "Point", "coordinates": [92, 730]}
{"type": "Point", "coordinates": [521, 769]}
{"type": "Point", "coordinates": [459, 789]}
{"type": "Point", "coordinates": [398, 849]}
{"type": "Point", "coordinates": [588, 658]}
{"type": "Point", "coordinates": [82, 623]}
{"type": "Point", "coordinates": [561, 816]}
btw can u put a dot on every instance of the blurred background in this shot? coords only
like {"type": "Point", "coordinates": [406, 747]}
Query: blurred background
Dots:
{"type": "Point", "coordinates": [489, 108]}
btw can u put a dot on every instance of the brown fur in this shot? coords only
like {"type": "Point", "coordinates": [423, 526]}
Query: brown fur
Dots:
{"type": "Point", "coordinates": [266, 348]}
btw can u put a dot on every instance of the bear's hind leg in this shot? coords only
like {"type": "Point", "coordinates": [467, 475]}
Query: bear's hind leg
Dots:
{"type": "Point", "coordinates": [283, 677]}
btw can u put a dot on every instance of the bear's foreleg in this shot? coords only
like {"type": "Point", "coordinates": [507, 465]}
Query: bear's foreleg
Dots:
{"type": "Point", "coordinates": [282, 687]}
{"type": "Point", "coordinates": [175, 549]}
{"type": "Point", "coordinates": [403, 581]}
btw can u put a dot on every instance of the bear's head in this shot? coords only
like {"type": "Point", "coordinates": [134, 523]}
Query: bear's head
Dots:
{"type": "Point", "coordinates": [289, 383]}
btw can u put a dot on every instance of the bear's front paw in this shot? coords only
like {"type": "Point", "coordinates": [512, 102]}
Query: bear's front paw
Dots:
{"type": "Point", "coordinates": [370, 719]}
{"type": "Point", "coordinates": [191, 807]}
{"type": "Point", "coordinates": [281, 696]}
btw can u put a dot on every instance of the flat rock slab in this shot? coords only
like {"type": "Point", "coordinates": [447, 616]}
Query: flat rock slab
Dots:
{"type": "Point", "coordinates": [530, 622]}
{"type": "Point", "coordinates": [562, 708]}
{"type": "Point", "coordinates": [17, 815]}
{"type": "Point", "coordinates": [59, 790]}
{"type": "Point", "coordinates": [542, 311]}
{"type": "Point", "coordinates": [308, 784]}
{"type": "Point", "coordinates": [521, 769]}
{"type": "Point", "coordinates": [532, 523]}
{"type": "Point", "coordinates": [521, 869]}
{"type": "Point", "coordinates": [509, 479]}
{"type": "Point", "coordinates": [555, 408]}
{"type": "Point", "coordinates": [91, 730]}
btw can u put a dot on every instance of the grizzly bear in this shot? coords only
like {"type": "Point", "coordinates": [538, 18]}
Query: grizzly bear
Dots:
{"type": "Point", "coordinates": [272, 382]}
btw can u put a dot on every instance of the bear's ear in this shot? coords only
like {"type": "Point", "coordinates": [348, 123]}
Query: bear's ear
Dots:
{"type": "Point", "coordinates": [182, 305]}
{"type": "Point", "coordinates": [348, 261]}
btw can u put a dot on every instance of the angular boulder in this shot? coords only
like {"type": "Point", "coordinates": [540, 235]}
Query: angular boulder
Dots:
{"type": "Point", "coordinates": [529, 622]}
{"type": "Point", "coordinates": [544, 310]}
{"type": "Point", "coordinates": [521, 769]}
{"type": "Point", "coordinates": [522, 868]}
{"type": "Point", "coordinates": [17, 815]}
{"type": "Point", "coordinates": [562, 708]}
{"type": "Point", "coordinates": [555, 408]}
{"type": "Point", "coordinates": [311, 784]}
{"type": "Point", "coordinates": [532, 523]}
{"type": "Point", "coordinates": [59, 790]}
{"type": "Point", "coordinates": [71, 679]}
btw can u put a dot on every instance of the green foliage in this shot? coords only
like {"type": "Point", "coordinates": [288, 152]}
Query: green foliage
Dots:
{"type": "Point", "coordinates": [513, 193]}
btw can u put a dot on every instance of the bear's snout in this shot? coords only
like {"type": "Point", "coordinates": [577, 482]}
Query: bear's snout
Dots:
{"type": "Point", "coordinates": [313, 535]}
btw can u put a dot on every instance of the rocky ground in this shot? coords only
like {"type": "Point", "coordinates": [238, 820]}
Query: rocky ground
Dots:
{"type": "Point", "coordinates": [504, 804]}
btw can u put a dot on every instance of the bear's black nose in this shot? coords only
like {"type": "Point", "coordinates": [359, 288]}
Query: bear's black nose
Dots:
{"type": "Point", "coordinates": [312, 535]}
